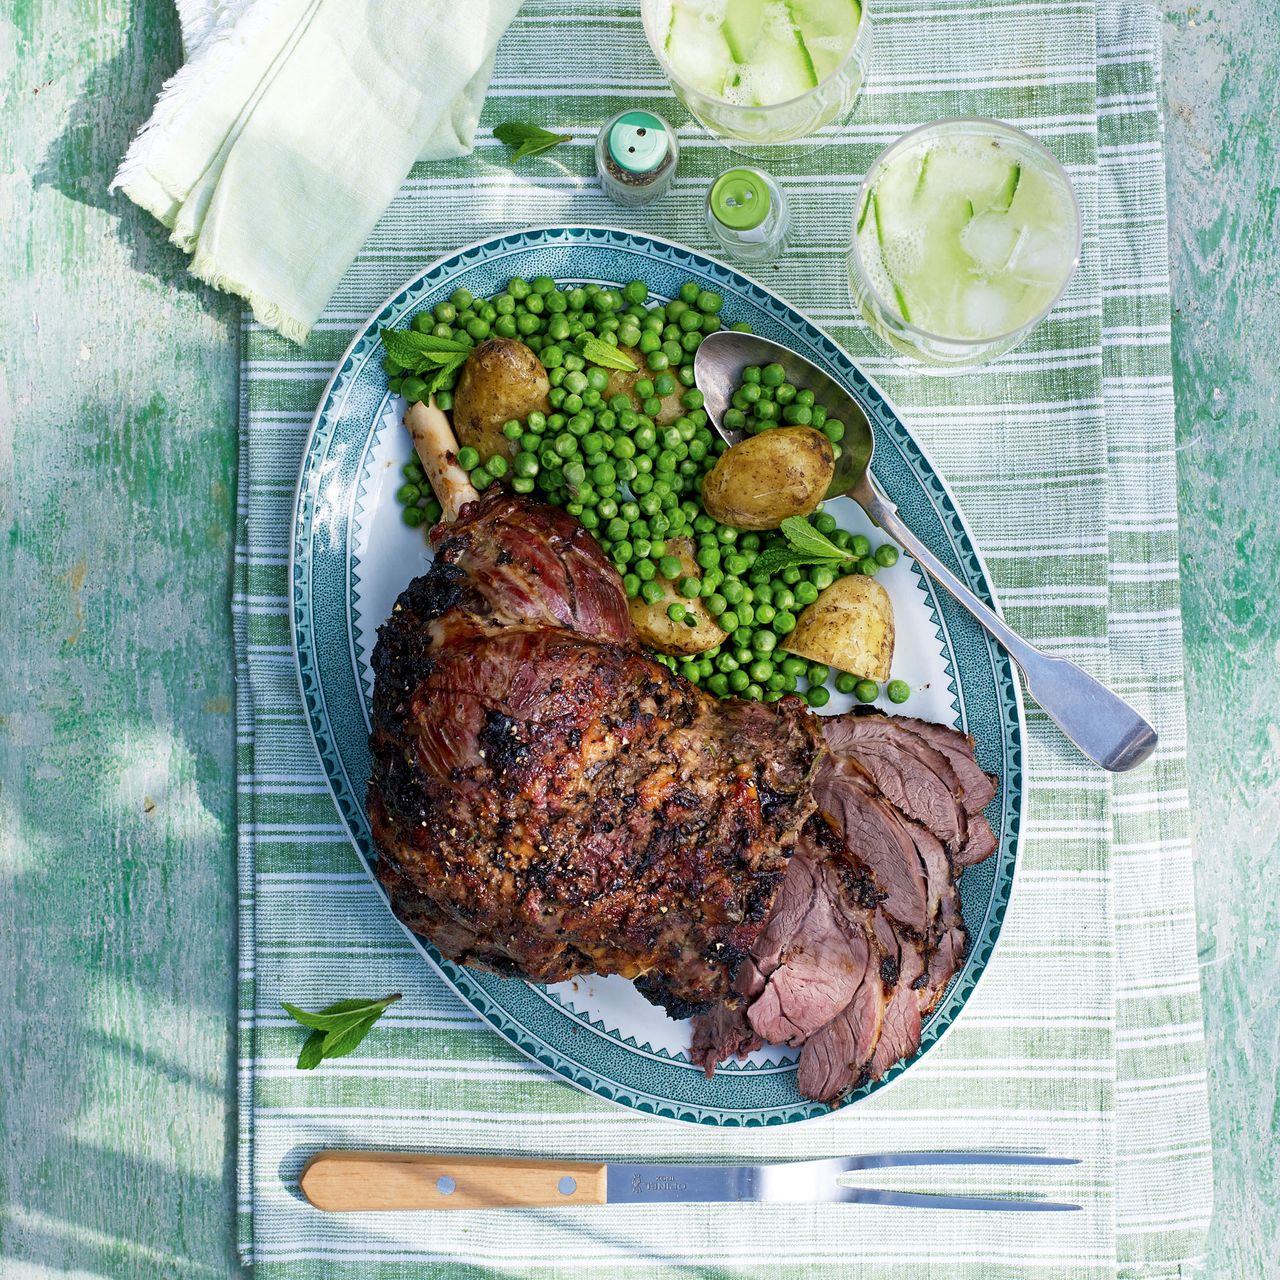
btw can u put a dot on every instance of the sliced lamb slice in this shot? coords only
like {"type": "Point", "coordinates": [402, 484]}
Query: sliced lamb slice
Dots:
{"type": "Point", "coordinates": [838, 1057]}
{"type": "Point", "coordinates": [723, 1032]}
{"type": "Point", "coordinates": [945, 953]}
{"type": "Point", "coordinates": [979, 788]}
{"type": "Point", "coordinates": [822, 965]}
{"type": "Point", "coordinates": [913, 776]}
{"type": "Point", "coordinates": [900, 1030]}
{"type": "Point", "coordinates": [879, 837]}
{"type": "Point", "coordinates": [980, 845]}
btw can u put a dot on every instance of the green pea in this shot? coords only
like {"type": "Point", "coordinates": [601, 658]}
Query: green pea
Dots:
{"type": "Point", "coordinates": [845, 682]}
{"type": "Point", "coordinates": [869, 565]}
{"type": "Point", "coordinates": [690, 587]}
{"type": "Point", "coordinates": [898, 690]}
{"type": "Point", "coordinates": [414, 517]}
{"type": "Point", "coordinates": [886, 555]}
{"type": "Point", "coordinates": [866, 691]}
{"type": "Point", "coordinates": [708, 301]}
{"type": "Point", "coordinates": [817, 696]}
{"type": "Point", "coordinates": [408, 494]}
{"type": "Point", "coordinates": [821, 578]}
{"type": "Point", "coordinates": [860, 546]}
{"type": "Point", "coordinates": [481, 478]}
{"type": "Point", "coordinates": [718, 684]}
{"type": "Point", "coordinates": [676, 611]}
{"type": "Point", "coordinates": [413, 389]}
{"type": "Point", "coordinates": [631, 585]}
{"type": "Point", "coordinates": [806, 593]}
{"type": "Point", "coordinates": [772, 375]}
{"type": "Point", "coordinates": [468, 458]}
{"type": "Point", "coordinates": [658, 360]}
{"type": "Point", "coordinates": [797, 415]}
{"type": "Point", "coordinates": [650, 591]}
{"type": "Point", "coordinates": [738, 680]}
{"type": "Point", "coordinates": [575, 475]}
{"type": "Point", "coordinates": [523, 484]}
{"type": "Point", "coordinates": [669, 567]}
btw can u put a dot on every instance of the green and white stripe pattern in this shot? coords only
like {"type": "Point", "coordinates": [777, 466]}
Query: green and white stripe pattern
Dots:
{"type": "Point", "coordinates": [1084, 1036]}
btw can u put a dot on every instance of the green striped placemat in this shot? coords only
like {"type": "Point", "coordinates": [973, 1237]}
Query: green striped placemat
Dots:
{"type": "Point", "coordinates": [1061, 457]}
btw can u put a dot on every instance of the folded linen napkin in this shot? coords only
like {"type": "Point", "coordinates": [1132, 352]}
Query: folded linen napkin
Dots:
{"type": "Point", "coordinates": [276, 148]}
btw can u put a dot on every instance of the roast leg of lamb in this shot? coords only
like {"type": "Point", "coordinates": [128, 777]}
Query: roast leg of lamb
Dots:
{"type": "Point", "coordinates": [547, 801]}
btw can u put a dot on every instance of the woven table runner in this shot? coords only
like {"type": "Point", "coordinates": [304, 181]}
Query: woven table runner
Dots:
{"type": "Point", "coordinates": [1061, 457]}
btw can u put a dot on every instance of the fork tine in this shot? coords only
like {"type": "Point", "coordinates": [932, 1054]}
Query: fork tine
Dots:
{"type": "Point", "coordinates": [927, 1200]}
{"type": "Point", "coordinates": [903, 1159]}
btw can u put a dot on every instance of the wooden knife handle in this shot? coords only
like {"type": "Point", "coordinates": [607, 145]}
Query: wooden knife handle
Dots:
{"type": "Point", "coordinates": [351, 1181]}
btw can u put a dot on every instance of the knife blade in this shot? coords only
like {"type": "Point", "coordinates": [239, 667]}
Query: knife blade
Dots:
{"type": "Point", "coordinates": [348, 1181]}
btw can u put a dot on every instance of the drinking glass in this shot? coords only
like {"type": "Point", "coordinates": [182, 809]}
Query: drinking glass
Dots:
{"type": "Point", "coordinates": [989, 268]}
{"type": "Point", "coordinates": [778, 122]}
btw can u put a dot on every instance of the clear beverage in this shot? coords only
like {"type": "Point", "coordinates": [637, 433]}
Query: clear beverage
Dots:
{"type": "Point", "coordinates": [966, 235]}
{"type": "Point", "coordinates": [761, 71]}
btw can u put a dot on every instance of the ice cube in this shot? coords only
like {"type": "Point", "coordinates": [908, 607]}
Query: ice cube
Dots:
{"type": "Point", "coordinates": [1042, 256]}
{"type": "Point", "coordinates": [986, 311]}
{"type": "Point", "coordinates": [990, 240]}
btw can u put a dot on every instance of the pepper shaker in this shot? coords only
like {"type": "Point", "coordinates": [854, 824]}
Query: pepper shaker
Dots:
{"type": "Point", "coordinates": [747, 214]}
{"type": "Point", "coordinates": [636, 157]}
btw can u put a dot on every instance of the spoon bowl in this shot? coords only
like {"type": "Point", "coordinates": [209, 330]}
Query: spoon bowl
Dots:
{"type": "Point", "coordinates": [1104, 727]}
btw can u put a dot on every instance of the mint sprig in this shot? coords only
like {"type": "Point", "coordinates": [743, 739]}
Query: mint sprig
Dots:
{"type": "Point", "coordinates": [806, 546]}
{"type": "Point", "coordinates": [418, 352]}
{"type": "Point", "coordinates": [528, 139]}
{"type": "Point", "coordinates": [337, 1029]}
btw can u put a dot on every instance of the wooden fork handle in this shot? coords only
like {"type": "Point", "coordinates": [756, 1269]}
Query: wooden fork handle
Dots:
{"type": "Point", "coordinates": [353, 1181]}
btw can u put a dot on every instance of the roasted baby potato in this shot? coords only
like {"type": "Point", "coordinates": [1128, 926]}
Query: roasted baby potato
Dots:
{"type": "Point", "coordinates": [849, 627]}
{"type": "Point", "coordinates": [764, 479]}
{"type": "Point", "coordinates": [623, 383]}
{"type": "Point", "coordinates": [501, 380]}
{"type": "Point", "coordinates": [656, 630]}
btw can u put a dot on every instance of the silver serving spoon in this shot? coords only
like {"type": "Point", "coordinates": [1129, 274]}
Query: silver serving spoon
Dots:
{"type": "Point", "coordinates": [1105, 727]}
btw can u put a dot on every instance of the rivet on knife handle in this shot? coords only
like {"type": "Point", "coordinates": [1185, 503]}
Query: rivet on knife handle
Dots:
{"type": "Point", "coordinates": [351, 1181]}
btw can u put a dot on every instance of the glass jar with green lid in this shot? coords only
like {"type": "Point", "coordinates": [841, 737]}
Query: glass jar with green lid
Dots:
{"type": "Point", "coordinates": [747, 214]}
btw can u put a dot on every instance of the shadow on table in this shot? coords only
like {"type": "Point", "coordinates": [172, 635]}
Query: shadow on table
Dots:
{"type": "Point", "coordinates": [116, 101]}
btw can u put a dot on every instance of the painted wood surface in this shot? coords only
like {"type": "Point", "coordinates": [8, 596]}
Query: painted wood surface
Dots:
{"type": "Point", "coordinates": [117, 459]}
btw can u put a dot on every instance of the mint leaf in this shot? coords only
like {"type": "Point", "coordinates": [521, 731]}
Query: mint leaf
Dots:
{"type": "Point", "coordinates": [418, 352]}
{"type": "Point", "coordinates": [312, 1051]}
{"type": "Point", "coordinates": [443, 376]}
{"type": "Point", "coordinates": [775, 559]}
{"type": "Point", "coordinates": [805, 539]}
{"type": "Point", "coordinates": [337, 1044]}
{"type": "Point", "coordinates": [528, 139]}
{"type": "Point", "coordinates": [606, 356]}
{"type": "Point", "coordinates": [337, 1029]}
{"type": "Point", "coordinates": [337, 1016]}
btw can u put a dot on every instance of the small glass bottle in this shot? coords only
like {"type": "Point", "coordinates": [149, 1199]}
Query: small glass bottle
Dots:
{"type": "Point", "coordinates": [636, 157]}
{"type": "Point", "coordinates": [748, 216]}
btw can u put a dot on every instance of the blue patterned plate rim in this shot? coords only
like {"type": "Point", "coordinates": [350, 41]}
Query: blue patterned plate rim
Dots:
{"type": "Point", "coordinates": [529, 1018]}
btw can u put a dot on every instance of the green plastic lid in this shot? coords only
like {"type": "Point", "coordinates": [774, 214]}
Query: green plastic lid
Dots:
{"type": "Point", "coordinates": [638, 141]}
{"type": "Point", "coordinates": [740, 199]}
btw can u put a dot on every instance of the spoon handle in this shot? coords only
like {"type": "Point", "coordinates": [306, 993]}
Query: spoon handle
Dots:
{"type": "Point", "coordinates": [1105, 727]}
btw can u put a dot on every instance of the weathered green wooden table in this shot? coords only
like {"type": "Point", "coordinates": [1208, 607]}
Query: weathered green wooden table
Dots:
{"type": "Point", "coordinates": [117, 458]}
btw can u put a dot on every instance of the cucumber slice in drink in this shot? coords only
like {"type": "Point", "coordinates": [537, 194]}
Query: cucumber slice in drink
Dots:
{"type": "Point", "coordinates": [780, 68]}
{"type": "Point", "coordinates": [1010, 189]}
{"type": "Point", "coordinates": [698, 51]}
{"type": "Point", "coordinates": [743, 26]}
{"type": "Point", "coordinates": [828, 28]}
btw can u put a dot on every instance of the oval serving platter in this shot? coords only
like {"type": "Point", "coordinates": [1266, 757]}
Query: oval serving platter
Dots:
{"type": "Point", "coordinates": [352, 556]}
